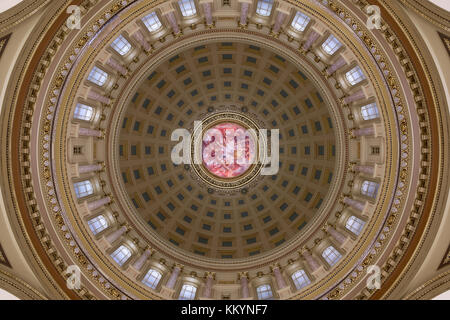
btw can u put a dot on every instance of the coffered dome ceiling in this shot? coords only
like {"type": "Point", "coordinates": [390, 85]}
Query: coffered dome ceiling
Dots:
{"type": "Point", "coordinates": [256, 83]}
{"type": "Point", "coordinates": [94, 111]}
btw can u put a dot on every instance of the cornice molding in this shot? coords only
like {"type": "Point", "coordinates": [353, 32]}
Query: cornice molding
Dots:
{"type": "Point", "coordinates": [17, 14]}
{"type": "Point", "coordinates": [18, 287]}
{"type": "Point", "coordinates": [446, 41]}
{"type": "Point", "coordinates": [3, 259]}
{"type": "Point", "coordinates": [430, 12]}
{"type": "Point", "coordinates": [446, 259]}
{"type": "Point", "coordinates": [3, 43]}
{"type": "Point", "coordinates": [432, 288]}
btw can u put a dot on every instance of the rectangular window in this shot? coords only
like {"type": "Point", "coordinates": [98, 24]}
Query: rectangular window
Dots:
{"type": "Point", "coordinates": [331, 45]}
{"type": "Point", "coordinates": [98, 76]}
{"type": "Point", "coordinates": [152, 278]}
{"type": "Point", "coordinates": [355, 75]}
{"type": "Point", "coordinates": [121, 45]}
{"type": "Point", "coordinates": [300, 21]}
{"type": "Point", "coordinates": [83, 189]}
{"type": "Point", "coordinates": [152, 22]}
{"type": "Point", "coordinates": [121, 255]}
{"type": "Point", "coordinates": [187, 7]}
{"type": "Point", "coordinates": [98, 224]}
{"type": "Point", "coordinates": [83, 112]}
{"type": "Point", "coordinates": [187, 292]}
{"type": "Point", "coordinates": [264, 7]}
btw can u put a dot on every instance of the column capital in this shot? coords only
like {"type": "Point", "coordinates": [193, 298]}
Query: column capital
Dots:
{"type": "Point", "coordinates": [163, 262]}
{"type": "Point", "coordinates": [304, 250]}
{"type": "Point", "coordinates": [177, 265]}
{"type": "Point", "coordinates": [146, 250]}
{"type": "Point", "coordinates": [275, 266]}
{"type": "Point", "coordinates": [209, 274]}
{"type": "Point", "coordinates": [126, 226]}
{"type": "Point", "coordinates": [343, 197]}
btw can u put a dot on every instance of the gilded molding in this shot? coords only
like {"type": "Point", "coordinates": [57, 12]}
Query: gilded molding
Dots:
{"type": "Point", "coordinates": [19, 287]}
{"type": "Point", "coordinates": [429, 11]}
{"type": "Point", "coordinates": [446, 259]}
{"type": "Point", "coordinates": [446, 41]}
{"type": "Point", "coordinates": [3, 43]}
{"type": "Point", "coordinates": [431, 288]}
{"type": "Point", "coordinates": [3, 258]}
{"type": "Point", "coordinates": [20, 12]}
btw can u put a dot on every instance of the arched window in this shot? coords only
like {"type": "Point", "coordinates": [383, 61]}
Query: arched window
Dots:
{"type": "Point", "coordinates": [369, 188]}
{"type": "Point", "coordinates": [121, 255]}
{"type": "Point", "coordinates": [187, 7]}
{"type": "Point", "coordinates": [264, 7]}
{"type": "Point", "coordinates": [264, 292]}
{"type": "Point", "coordinates": [152, 22]}
{"type": "Point", "coordinates": [98, 76]}
{"type": "Point", "coordinates": [355, 75]}
{"type": "Point", "coordinates": [300, 279]}
{"type": "Point", "coordinates": [83, 112]}
{"type": "Point", "coordinates": [152, 278]}
{"type": "Point", "coordinates": [331, 255]}
{"type": "Point", "coordinates": [331, 45]}
{"type": "Point", "coordinates": [121, 45]}
{"type": "Point", "coordinates": [355, 225]}
{"type": "Point", "coordinates": [187, 292]}
{"type": "Point", "coordinates": [98, 224]}
{"type": "Point", "coordinates": [369, 111]}
{"type": "Point", "coordinates": [83, 188]}
{"type": "Point", "coordinates": [300, 21]}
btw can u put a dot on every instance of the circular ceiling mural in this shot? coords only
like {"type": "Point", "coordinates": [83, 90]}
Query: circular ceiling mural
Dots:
{"type": "Point", "coordinates": [228, 150]}
{"type": "Point", "coordinates": [266, 91]}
